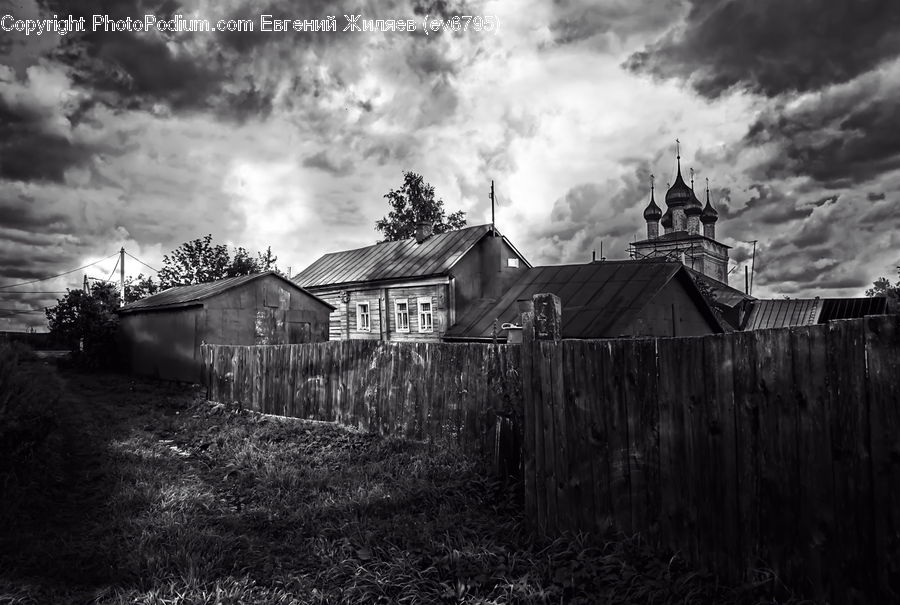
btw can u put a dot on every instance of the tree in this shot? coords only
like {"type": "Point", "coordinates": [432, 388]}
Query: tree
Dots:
{"type": "Point", "coordinates": [140, 287]}
{"type": "Point", "coordinates": [883, 287]}
{"type": "Point", "coordinates": [415, 203]}
{"type": "Point", "coordinates": [200, 261]}
{"type": "Point", "coordinates": [89, 319]}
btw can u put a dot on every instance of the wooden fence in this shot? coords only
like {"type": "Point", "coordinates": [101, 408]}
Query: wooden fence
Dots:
{"type": "Point", "coordinates": [451, 393]}
{"type": "Point", "coordinates": [769, 450]}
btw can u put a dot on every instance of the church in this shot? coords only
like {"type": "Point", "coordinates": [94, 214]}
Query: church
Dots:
{"type": "Point", "coordinates": [683, 239]}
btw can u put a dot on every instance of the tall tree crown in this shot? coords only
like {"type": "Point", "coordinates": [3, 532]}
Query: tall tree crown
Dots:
{"type": "Point", "coordinates": [414, 202]}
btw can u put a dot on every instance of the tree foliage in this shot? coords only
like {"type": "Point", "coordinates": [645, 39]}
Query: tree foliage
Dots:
{"type": "Point", "coordinates": [883, 287]}
{"type": "Point", "coordinates": [200, 261]}
{"type": "Point", "coordinates": [140, 287]}
{"type": "Point", "coordinates": [415, 203]}
{"type": "Point", "coordinates": [88, 319]}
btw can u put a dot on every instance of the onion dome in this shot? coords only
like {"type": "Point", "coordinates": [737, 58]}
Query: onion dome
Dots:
{"type": "Point", "coordinates": [693, 207]}
{"type": "Point", "coordinates": [679, 194]}
{"type": "Point", "coordinates": [652, 212]}
{"type": "Point", "coordinates": [709, 214]}
{"type": "Point", "coordinates": [666, 221]}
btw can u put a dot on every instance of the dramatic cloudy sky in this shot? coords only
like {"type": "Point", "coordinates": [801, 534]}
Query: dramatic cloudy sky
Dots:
{"type": "Point", "coordinates": [147, 140]}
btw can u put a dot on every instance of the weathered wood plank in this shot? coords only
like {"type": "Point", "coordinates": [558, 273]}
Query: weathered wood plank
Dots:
{"type": "Point", "coordinates": [883, 354]}
{"type": "Point", "coordinates": [815, 490]}
{"type": "Point", "coordinates": [780, 509]}
{"type": "Point", "coordinates": [746, 401]}
{"type": "Point", "coordinates": [851, 461]}
{"type": "Point", "coordinates": [615, 409]}
{"type": "Point", "coordinates": [531, 402]}
{"type": "Point", "coordinates": [603, 501]}
{"type": "Point", "coordinates": [717, 515]}
{"type": "Point", "coordinates": [641, 394]}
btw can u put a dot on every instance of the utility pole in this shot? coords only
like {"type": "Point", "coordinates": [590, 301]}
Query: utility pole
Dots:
{"type": "Point", "coordinates": [85, 284]}
{"type": "Point", "coordinates": [122, 275]}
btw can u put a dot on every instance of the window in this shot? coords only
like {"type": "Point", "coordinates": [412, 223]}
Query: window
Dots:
{"type": "Point", "coordinates": [362, 317]}
{"type": "Point", "coordinates": [513, 263]}
{"type": "Point", "coordinates": [426, 320]}
{"type": "Point", "coordinates": [401, 315]}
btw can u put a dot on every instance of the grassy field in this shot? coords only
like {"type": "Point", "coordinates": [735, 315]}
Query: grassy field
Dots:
{"type": "Point", "coordinates": [134, 492]}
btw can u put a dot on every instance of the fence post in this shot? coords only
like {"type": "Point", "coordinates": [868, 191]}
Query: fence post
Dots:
{"type": "Point", "coordinates": [541, 320]}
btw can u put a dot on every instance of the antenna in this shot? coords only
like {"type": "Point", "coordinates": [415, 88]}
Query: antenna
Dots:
{"type": "Point", "coordinates": [493, 227]}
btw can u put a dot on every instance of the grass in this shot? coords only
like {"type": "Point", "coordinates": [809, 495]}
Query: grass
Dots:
{"type": "Point", "coordinates": [145, 493]}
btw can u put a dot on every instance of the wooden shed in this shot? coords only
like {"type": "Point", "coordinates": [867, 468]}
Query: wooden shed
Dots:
{"type": "Point", "coordinates": [161, 335]}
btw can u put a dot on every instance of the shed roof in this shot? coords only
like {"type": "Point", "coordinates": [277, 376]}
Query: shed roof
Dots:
{"type": "Point", "coordinates": [180, 296]}
{"type": "Point", "coordinates": [782, 313]}
{"type": "Point", "coordinates": [401, 259]}
{"type": "Point", "coordinates": [595, 297]}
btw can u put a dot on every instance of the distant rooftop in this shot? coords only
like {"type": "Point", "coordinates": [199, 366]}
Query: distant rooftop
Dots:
{"type": "Point", "coordinates": [401, 259]}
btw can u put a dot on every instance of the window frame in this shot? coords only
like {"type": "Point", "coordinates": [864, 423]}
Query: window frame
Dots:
{"type": "Point", "coordinates": [397, 312]}
{"type": "Point", "coordinates": [512, 262]}
{"type": "Point", "coordinates": [423, 300]}
{"type": "Point", "coordinates": [359, 315]}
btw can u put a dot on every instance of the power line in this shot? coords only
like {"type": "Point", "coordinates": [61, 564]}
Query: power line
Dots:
{"type": "Point", "coordinates": [34, 281]}
{"type": "Point", "coordinates": [36, 292]}
{"type": "Point", "coordinates": [142, 262]}
{"type": "Point", "coordinates": [113, 271]}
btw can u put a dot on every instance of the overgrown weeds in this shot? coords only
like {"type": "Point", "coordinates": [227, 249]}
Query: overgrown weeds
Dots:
{"type": "Point", "coordinates": [183, 501]}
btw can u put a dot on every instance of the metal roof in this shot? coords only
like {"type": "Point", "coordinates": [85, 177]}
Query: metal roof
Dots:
{"type": "Point", "coordinates": [775, 313]}
{"type": "Point", "coordinates": [596, 297]}
{"type": "Point", "coordinates": [394, 260]}
{"type": "Point", "coordinates": [180, 296]}
{"type": "Point", "coordinates": [849, 308]}
{"type": "Point", "coordinates": [724, 294]}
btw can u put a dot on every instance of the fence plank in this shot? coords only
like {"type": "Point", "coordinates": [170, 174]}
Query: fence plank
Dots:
{"type": "Point", "coordinates": [641, 395]}
{"type": "Point", "coordinates": [674, 471]}
{"type": "Point", "coordinates": [779, 467]}
{"type": "Point", "coordinates": [746, 402]}
{"type": "Point", "coordinates": [603, 504]}
{"type": "Point", "coordinates": [718, 517]}
{"type": "Point", "coordinates": [883, 355]}
{"type": "Point", "coordinates": [851, 458]}
{"type": "Point", "coordinates": [816, 526]}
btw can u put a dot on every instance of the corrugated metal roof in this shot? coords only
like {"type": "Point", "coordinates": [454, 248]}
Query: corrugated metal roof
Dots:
{"type": "Point", "coordinates": [595, 297]}
{"type": "Point", "coordinates": [775, 313]}
{"type": "Point", "coordinates": [849, 308]}
{"type": "Point", "coordinates": [392, 260]}
{"type": "Point", "coordinates": [184, 295]}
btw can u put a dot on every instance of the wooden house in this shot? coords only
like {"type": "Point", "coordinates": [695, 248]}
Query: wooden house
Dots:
{"type": "Point", "coordinates": [607, 299]}
{"type": "Point", "coordinates": [161, 335]}
{"type": "Point", "coordinates": [413, 289]}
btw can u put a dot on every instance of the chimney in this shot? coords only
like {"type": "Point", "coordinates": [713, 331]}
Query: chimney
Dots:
{"type": "Point", "coordinates": [423, 231]}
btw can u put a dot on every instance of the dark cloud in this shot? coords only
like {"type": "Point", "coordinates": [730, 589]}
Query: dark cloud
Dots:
{"type": "Point", "coordinates": [766, 205]}
{"type": "Point", "coordinates": [874, 197]}
{"type": "Point", "coordinates": [771, 46]}
{"type": "Point", "coordinates": [577, 21]}
{"type": "Point", "coordinates": [839, 138]}
{"type": "Point", "coordinates": [324, 160]}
